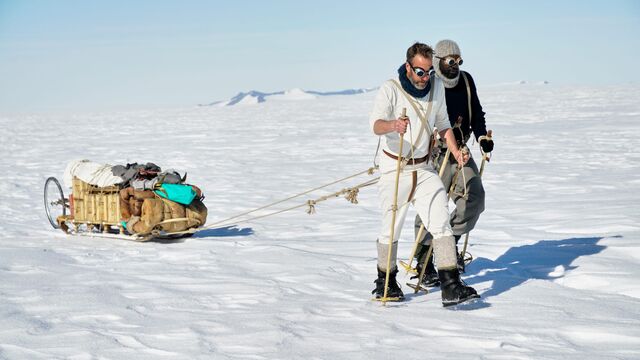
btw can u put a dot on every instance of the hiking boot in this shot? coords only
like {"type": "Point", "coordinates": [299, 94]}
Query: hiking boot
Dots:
{"type": "Point", "coordinates": [393, 290]}
{"type": "Point", "coordinates": [430, 278]}
{"type": "Point", "coordinates": [454, 291]}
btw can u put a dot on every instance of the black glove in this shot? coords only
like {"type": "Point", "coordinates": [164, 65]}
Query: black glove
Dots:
{"type": "Point", "coordinates": [486, 145]}
{"type": "Point", "coordinates": [459, 136]}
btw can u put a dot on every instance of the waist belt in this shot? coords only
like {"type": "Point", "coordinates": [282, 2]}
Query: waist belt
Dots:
{"type": "Point", "coordinates": [409, 161]}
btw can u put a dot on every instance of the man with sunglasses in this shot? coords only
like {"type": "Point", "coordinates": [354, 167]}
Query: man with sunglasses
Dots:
{"type": "Point", "coordinates": [463, 107]}
{"type": "Point", "coordinates": [423, 99]}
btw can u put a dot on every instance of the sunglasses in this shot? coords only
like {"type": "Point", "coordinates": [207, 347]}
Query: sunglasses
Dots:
{"type": "Point", "coordinates": [449, 60]}
{"type": "Point", "coordinates": [420, 71]}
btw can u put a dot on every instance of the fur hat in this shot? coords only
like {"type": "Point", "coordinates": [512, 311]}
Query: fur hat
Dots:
{"type": "Point", "coordinates": [446, 48]}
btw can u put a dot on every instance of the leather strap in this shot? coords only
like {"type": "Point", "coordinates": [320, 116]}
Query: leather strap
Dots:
{"type": "Point", "coordinates": [409, 161]}
{"type": "Point", "coordinates": [466, 82]}
{"type": "Point", "coordinates": [414, 184]}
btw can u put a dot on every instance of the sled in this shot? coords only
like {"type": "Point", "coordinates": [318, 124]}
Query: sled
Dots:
{"type": "Point", "coordinates": [93, 211]}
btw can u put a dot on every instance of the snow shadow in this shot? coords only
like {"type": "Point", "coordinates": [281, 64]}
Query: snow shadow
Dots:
{"type": "Point", "coordinates": [544, 260]}
{"type": "Point", "coordinates": [224, 232]}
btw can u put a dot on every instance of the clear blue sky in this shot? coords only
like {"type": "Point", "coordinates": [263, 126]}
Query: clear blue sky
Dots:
{"type": "Point", "coordinates": [96, 55]}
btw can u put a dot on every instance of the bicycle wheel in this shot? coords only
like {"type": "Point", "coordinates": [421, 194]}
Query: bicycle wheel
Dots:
{"type": "Point", "coordinates": [54, 202]}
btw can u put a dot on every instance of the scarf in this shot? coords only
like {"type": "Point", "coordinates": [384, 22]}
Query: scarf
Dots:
{"type": "Point", "coordinates": [408, 86]}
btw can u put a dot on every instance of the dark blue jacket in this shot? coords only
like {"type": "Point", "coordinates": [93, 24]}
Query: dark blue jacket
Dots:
{"type": "Point", "coordinates": [457, 105]}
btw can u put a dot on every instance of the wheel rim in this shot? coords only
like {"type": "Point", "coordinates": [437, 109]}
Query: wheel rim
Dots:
{"type": "Point", "coordinates": [54, 202]}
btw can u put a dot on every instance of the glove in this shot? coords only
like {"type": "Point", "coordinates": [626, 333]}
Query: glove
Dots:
{"type": "Point", "coordinates": [459, 136]}
{"type": "Point", "coordinates": [486, 145]}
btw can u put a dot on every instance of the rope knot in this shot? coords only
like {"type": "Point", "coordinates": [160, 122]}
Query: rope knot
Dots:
{"type": "Point", "coordinates": [312, 207]}
{"type": "Point", "coordinates": [352, 195]}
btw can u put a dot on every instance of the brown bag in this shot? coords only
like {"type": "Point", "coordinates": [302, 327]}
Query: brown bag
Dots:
{"type": "Point", "coordinates": [175, 212]}
{"type": "Point", "coordinates": [163, 214]}
{"type": "Point", "coordinates": [131, 201]}
{"type": "Point", "coordinates": [152, 214]}
{"type": "Point", "coordinates": [196, 213]}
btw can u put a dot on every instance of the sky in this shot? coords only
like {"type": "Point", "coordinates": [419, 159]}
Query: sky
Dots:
{"type": "Point", "coordinates": [95, 55]}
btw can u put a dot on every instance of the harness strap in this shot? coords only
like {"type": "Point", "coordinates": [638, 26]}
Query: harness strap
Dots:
{"type": "Point", "coordinates": [414, 184]}
{"type": "Point", "coordinates": [424, 118]}
{"type": "Point", "coordinates": [466, 82]}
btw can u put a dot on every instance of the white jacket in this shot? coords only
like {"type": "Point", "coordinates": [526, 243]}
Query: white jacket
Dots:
{"type": "Point", "coordinates": [388, 105]}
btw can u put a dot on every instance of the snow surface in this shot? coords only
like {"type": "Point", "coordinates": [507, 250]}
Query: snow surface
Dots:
{"type": "Point", "coordinates": [556, 252]}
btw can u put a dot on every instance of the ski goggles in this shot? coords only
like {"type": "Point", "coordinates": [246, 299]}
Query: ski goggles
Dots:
{"type": "Point", "coordinates": [420, 71]}
{"type": "Point", "coordinates": [450, 60]}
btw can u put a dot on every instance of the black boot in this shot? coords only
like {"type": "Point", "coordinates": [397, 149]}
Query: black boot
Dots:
{"type": "Point", "coordinates": [430, 278]}
{"type": "Point", "coordinates": [454, 291]}
{"type": "Point", "coordinates": [393, 291]}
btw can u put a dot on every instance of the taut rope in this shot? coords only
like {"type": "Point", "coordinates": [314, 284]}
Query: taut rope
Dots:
{"type": "Point", "coordinates": [350, 193]}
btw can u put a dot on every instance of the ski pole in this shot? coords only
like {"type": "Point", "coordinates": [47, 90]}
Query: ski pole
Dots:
{"type": "Point", "coordinates": [448, 153]}
{"type": "Point", "coordinates": [465, 151]}
{"type": "Point", "coordinates": [394, 210]}
{"type": "Point", "coordinates": [485, 158]}
{"type": "Point", "coordinates": [418, 287]}
{"type": "Point", "coordinates": [445, 161]}
{"type": "Point", "coordinates": [406, 266]}
{"type": "Point", "coordinates": [443, 165]}
{"type": "Point", "coordinates": [426, 260]}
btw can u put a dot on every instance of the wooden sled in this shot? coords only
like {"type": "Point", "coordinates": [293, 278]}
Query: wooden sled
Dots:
{"type": "Point", "coordinates": [93, 211]}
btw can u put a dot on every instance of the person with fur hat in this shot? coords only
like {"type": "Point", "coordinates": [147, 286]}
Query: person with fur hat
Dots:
{"type": "Point", "coordinates": [466, 115]}
{"type": "Point", "coordinates": [405, 112]}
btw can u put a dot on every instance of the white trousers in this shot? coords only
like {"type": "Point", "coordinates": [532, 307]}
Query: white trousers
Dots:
{"type": "Point", "coordinates": [423, 185]}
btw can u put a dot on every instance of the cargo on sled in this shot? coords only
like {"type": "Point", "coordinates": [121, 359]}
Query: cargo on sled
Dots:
{"type": "Point", "coordinates": [135, 202]}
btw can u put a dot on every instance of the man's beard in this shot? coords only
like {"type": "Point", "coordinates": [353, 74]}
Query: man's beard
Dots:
{"type": "Point", "coordinates": [419, 86]}
{"type": "Point", "coordinates": [450, 72]}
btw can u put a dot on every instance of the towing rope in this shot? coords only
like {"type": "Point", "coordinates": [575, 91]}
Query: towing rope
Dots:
{"type": "Point", "coordinates": [350, 194]}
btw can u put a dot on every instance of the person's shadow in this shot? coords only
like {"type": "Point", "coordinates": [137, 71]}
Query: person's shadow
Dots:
{"type": "Point", "coordinates": [545, 260]}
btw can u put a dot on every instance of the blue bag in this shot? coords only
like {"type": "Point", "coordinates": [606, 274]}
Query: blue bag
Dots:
{"type": "Point", "coordinates": [182, 194]}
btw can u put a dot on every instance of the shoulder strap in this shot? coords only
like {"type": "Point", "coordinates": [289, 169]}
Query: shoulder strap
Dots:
{"type": "Point", "coordinates": [466, 82]}
{"type": "Point", "coordinates": [424, 118]}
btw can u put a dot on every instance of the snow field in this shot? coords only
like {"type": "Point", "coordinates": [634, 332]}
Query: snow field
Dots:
{"type": "Point", "coordinates": [556, 252]}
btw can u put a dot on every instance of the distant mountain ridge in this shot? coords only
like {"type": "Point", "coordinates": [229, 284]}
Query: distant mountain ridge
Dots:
{"type": "Point", "coordinates": [257, 97]}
